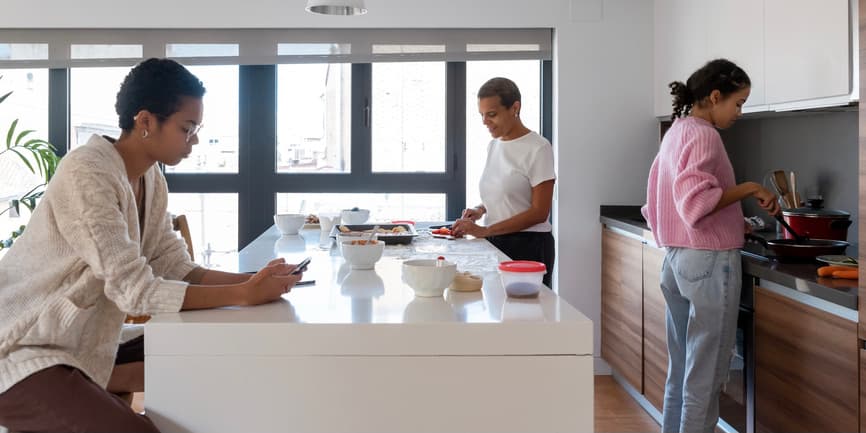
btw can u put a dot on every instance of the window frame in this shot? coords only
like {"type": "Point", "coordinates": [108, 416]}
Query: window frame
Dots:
{"type": "Point", "coordinates": [257, 181]}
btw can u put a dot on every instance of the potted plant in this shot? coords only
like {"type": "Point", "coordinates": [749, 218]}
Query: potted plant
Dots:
{"type": "Point", "coordinates": [38, 156]}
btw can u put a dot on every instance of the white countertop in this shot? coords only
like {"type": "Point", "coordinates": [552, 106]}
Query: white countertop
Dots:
{"type": "Point", "coordinates": [353, 312]}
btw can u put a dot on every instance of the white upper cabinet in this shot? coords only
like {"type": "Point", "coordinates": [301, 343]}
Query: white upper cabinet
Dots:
{"type": "Point", "coordinates": [735, 29]}
{"type": "Point", "coordinates": [680, 46]}
{"type": "Point", "coordinates": [798, 53]}
{"type": "Point", "coordinates": [807, 50]}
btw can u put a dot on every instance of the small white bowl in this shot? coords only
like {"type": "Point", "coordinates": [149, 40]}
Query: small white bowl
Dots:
{"type": "Point", "coordinates": [289, 223]}
{"type": "Point", "coordinates": [362, 256]}
{"type": "Point", "coordinates": [360, 216]}
{"type": "Point", "coordinates": [428, 277]}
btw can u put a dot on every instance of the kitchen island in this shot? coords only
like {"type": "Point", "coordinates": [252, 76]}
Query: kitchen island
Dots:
{"type": "Point", "coordinates": [358, 352]}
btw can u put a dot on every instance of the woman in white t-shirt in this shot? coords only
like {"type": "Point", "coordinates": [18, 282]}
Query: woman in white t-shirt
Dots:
{"type": "Point", "coordinates": [517, 183]}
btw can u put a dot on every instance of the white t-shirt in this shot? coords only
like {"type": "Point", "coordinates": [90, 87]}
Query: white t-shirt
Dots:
{"type": "Point", "coordinates": [513, 168]}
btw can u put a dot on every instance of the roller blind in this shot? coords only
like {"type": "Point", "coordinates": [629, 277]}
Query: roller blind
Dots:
{"type": "Point", "coordinates": [60, 48]}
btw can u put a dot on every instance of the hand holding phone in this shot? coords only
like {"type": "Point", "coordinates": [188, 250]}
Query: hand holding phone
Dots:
{"type": "Point", "coordinates": [301, 267]}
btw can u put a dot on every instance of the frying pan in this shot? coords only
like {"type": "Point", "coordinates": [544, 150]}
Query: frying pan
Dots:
{"type": "Point", "coordinates": [809, 248]}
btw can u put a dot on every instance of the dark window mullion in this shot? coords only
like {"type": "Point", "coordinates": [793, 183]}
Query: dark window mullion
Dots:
{"type": "Point", "coordinates": [362, 119]}
{"type": "Point", "coordinates": [256, 150]}
{"type": "Point", "coordinates": [455, 125]}
{"type": "Point", "coordinates": [546, 78]}
{"type": "Point", "coordinates": [58, 110]}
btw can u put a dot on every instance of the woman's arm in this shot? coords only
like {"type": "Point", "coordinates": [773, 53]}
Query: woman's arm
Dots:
{"type": "Point", "coordinates": [220, 289]}
{"type": "Point", "coordinates": [538, 212]}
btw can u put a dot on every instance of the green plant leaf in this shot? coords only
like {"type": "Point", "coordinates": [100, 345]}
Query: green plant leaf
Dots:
{"type": "Point", "coordinates": [3, 98]}
{"type": "Point", "coordinates": [23, 158]}
{"type": "Point", "coordinates": [10, 133]}
{"type": "Point", "coordinates": [22, 135]}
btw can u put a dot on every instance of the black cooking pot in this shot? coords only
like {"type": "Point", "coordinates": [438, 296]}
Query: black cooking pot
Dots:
{"type": "Point", "coordinates": [805, 249]}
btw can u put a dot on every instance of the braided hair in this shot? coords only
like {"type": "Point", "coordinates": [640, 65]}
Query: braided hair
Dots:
{"type": "Point", "coordinates": [720, 74]}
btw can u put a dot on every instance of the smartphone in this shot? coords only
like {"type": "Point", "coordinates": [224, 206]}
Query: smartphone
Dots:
{"type": "Point", "coordinates": [301, 266]}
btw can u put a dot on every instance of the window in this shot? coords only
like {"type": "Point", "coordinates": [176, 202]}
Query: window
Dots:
{"type": "Point", "coordinates": [383, 207]}
{"type": "Point", "coordinates": [408, 117]}
{"type": "Point", "coordinates": [213, 226]}
{"type": "Point", "coordinates": [313, 118]}
{"type": "Point", "coordinates": [332, 118]}
{"type": "Point", "coordinates": [527, 75]}
{"type": "Point", "coordinates": [93, 93]}
{"type": "Point", "coordinates": [217, 148]}
{"type": "Point", "coordinates": [29, 104]}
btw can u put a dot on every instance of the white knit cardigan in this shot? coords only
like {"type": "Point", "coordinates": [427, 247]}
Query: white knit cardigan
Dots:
{"type": "Point", "coordinates": [68, 282]}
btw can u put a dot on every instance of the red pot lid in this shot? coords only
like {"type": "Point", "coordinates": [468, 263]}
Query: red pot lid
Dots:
{"type": "Point", "coordinates": [522, 266]}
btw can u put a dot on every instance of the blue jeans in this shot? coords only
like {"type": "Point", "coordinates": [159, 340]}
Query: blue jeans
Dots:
{"type": "Point", "coordinates": [702, 292]}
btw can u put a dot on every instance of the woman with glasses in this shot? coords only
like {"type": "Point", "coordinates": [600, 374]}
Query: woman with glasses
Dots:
{"type": "Point", "coordinates": [99, 247]}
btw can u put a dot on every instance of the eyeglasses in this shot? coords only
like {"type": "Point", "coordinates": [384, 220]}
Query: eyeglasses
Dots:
{"type": "Point", "coordinates": [191, 131]}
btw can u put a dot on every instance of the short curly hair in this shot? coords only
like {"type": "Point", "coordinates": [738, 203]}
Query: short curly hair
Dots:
{"type": "Point", "coordinates": [155, 85]}
{"type": "Point", "coordinates": [504, 88]}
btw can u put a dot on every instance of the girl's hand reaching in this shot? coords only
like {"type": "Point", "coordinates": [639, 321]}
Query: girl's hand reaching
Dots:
{"type": "Point", "coordinates": [767, 200]}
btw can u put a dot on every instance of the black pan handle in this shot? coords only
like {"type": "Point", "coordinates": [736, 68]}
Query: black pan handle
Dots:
{"type": "Point", "coordinates": [799, 239]}
{"type": "Point", "coordinates": [758, 239]}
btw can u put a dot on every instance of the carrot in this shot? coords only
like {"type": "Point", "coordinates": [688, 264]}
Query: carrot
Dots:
{"type": "Point", "coordinates": [851, 275]}
{"type": "Point", "coordinates": [827, 271]}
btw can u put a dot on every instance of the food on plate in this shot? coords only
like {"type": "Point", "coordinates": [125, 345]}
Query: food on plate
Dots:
{"type": "Point", "coordinates": [312, 219]}
{"type": "Point", "coordinates": [827, 271]}
{"type": "Point", "coordinates": [365, 242]}
{"type": "Point", "coordinates": [441, 231]}
{"type": "Point", "coordinates": [380, 231]}
{"type": "Point", "coordinates": [847, 274]}
{"type": "Point", "coordinates": [344, 229]}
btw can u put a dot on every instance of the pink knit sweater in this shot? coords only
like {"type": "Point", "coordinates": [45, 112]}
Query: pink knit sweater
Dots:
{"type": "Point", "coordinates": [685, 183]}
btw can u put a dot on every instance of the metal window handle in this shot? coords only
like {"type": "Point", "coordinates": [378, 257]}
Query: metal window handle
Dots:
{"type": "Point", "coordinates": [366, 113]}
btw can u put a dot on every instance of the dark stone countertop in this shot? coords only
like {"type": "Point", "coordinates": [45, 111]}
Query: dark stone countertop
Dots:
{"type": "Point", "coordinates": [797, 277]}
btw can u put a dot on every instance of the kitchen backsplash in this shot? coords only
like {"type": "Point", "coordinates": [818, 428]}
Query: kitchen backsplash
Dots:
{"type": "Point", "coordinates": [821, 147]}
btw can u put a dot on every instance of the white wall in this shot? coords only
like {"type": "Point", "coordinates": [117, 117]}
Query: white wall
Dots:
{"type": "Point", "coordinates": [604, 131]}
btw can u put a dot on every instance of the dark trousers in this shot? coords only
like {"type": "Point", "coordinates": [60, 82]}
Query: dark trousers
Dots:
{"type": "Point", "coordinates": [63, 399]}
{"type": "Point", "coordinates": [535, 246]}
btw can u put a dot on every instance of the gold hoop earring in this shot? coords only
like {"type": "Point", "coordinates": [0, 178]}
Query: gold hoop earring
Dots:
{"type": "Point", "coordinates": [144, 134]}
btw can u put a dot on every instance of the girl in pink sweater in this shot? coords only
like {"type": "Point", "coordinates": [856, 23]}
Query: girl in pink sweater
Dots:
{"type": "Point", "coordinates": [694, 212]}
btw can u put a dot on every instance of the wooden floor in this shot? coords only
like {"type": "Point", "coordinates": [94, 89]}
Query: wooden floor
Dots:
{"type": "Point", "coordinates": [616, 411]}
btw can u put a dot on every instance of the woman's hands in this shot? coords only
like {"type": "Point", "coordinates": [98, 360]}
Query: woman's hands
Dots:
{"type": "Point", "coordinates": [467, 226]}
{"type": "Point", "coordinates": [269, 283]}
{"type": "Point", "coordinates": [473, 214]}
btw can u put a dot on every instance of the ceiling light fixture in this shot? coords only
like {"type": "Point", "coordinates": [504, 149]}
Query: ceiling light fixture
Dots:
{"type": "Point", "coordinates": [336, 7]}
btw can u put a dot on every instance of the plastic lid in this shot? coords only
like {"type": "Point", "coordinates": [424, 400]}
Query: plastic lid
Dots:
{"type": "Point", "coordinates": [522, 266]}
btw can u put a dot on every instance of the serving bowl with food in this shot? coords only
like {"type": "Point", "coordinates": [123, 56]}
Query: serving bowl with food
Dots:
{"type": "Point", "coordinates": [388, 233]}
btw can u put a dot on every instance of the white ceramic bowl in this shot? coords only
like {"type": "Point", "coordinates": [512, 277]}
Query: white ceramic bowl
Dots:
{"type": "Point", "coordinates": [289, 223]}
{"type": "Point", "coordinates": [359, 216]}
{"type": "Point", "coordinates": [428, 277]}
{"type": "Point", "coordinates": [362, 256]}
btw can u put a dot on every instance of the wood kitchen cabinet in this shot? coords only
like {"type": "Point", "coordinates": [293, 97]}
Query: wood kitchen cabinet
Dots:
{"type": "Point", "coordinates": [806, 375]}
{"type": "Point", "coordinates": [655, 346]}
{"type": "Point", "coordinates": [621, 305]}
{"type": "Point", "coordinates": [863, 390]}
